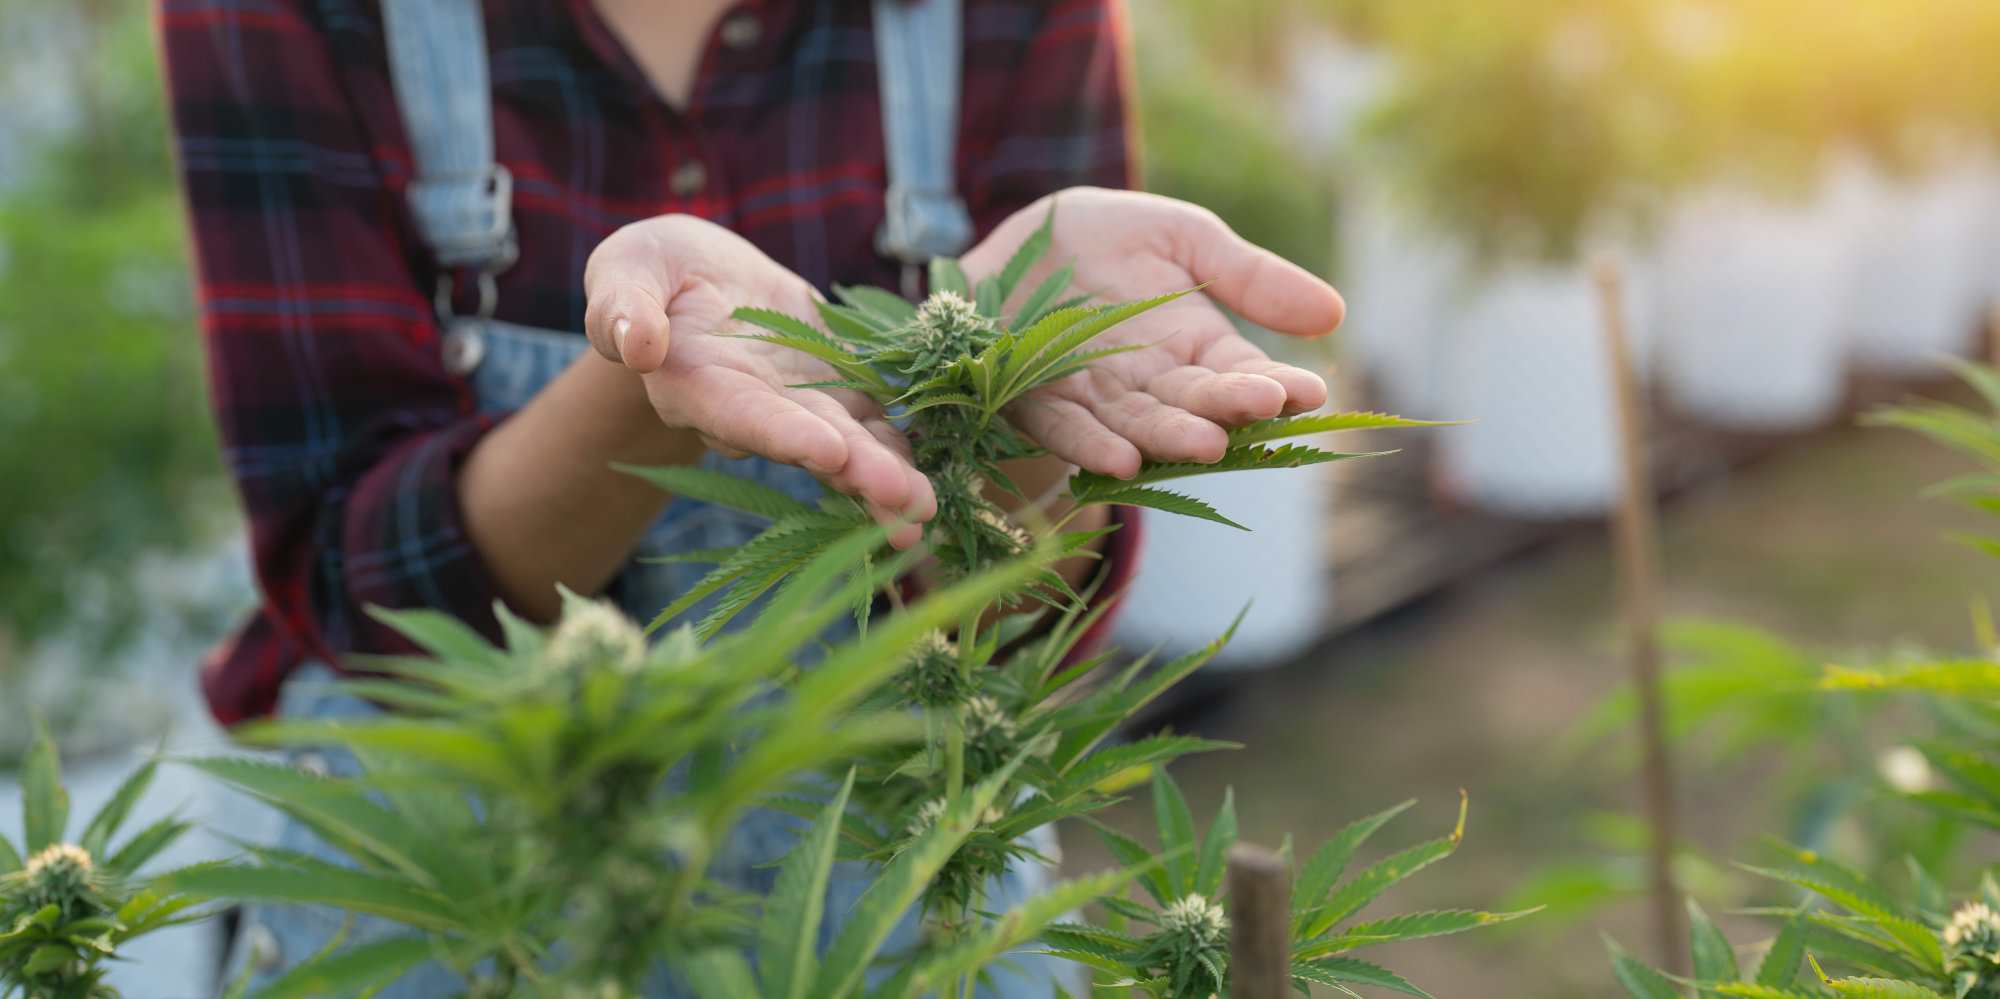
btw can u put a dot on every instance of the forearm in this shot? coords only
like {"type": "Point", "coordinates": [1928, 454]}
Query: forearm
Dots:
{"type": "Point", "coordinates": [540, 499]}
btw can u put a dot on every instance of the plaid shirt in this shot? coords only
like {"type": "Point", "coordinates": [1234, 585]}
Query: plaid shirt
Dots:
{"type": "Point", "coordinates": [340, 425]}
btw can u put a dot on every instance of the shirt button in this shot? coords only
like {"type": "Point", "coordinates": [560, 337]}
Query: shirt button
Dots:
{"type": "Point", "coordinates": [742, 31]}
{"type": "Point", "coordinates": [688, 178]}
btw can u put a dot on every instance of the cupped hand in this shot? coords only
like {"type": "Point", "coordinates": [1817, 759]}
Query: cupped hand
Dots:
{"type": "Point", "coordinates": [1174, 398]}
{"type": "Point", "coordinates": [660, 295]}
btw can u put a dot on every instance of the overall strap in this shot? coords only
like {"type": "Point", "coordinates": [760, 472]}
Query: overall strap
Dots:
{"type": "Point", "coordinates": [461, 199]}
{"type": "Point", "coordinates": [918, 47]}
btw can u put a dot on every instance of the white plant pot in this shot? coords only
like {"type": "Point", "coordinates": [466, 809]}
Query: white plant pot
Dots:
{"type": "Point", "coordinates": [1926, 271]}
{"type": "Point", "coordinates": [1397, 279]}
{"type": "Point", "coordinates": [1195, 576]}
{"type": "Point", "coordinates": [1751, 311]}
{"type": "Point", "coordinates": [1525, 359]}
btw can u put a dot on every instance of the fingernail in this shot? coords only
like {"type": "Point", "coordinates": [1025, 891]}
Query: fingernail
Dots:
{"type": "Point", "coordinates": [618, 331]}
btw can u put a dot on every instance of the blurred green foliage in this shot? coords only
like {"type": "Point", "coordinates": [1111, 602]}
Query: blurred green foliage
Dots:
{"type": "Point", "coordinates": [104, 437]}
{"type": "Point", "coordinates": [1213, 135]}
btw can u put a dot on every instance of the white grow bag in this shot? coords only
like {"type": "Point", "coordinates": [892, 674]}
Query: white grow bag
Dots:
{"type": "Point", "coordinates": [1195, 576]}
{"type": "Point", "coordinates": [1926, 266]}
{"type": "Point", "coordinates": [1398, 279]}
{"type": "Point", "coordinates": [1525, 358]}
{"type": "Point", "coordinates": [1751, 310]}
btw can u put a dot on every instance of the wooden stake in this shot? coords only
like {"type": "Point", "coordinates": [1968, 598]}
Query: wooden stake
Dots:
{"type": "Point", "coordinates": [1635, 537]}
{"type": "Point", "coordinates": [1993, 335]}
{"type": "Point", "coordinates": [1260, 924]}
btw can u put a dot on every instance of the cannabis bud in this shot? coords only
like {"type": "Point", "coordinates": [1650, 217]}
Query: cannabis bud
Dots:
{"type": "Point", "coordinates": [931, 811]}
{"type": "Point", "coordinates": [946, 329]}
{"type": "Point", "coordinates": [1972, 950]}
{"type": "Point", "coordinates": [62, 875]}
{"type": "Point", "coordinates": [1196, 918]}
{"type": "Point", "coordinates": [983, 715]}
{"type": "Point", "coordinates": [926, 816]}
{"type": "Point", "coordinates": [932, 677]}
{"type": "Point", "coordinates": [595, 635]}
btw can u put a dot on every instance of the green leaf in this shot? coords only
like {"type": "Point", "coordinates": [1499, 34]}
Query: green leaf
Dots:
{"type": "Point", "coordinates": [441, 635]}
{"type": "Point", "coordinates": [720, 973]}
{"type": "Point", "coordinates": [47, 958]}
{"type": "Point", "coordinates": [854, 325]}
{"type": "Point", "coordinates": [147, 844]}
{"type": "Point", "coordinates": [1638, 977]}
{"type": "Point", "coordinates": [886, 306]}
{"type": "Point", "coordinates": [946, 275]}
{"type": "Point", "coordinates": [1028, 254]}
{"type": "Point", "coordinates": [1085, 486]}
{"type": "Point", "coordinates": [900, 883]}
{"type": "Point", "coordinates": [1215, 846]}
{"type": "Point", "coordinates": [10, 859]}
{"type": "Point", "coordinates": [1983, 378]}
{"type": "Point", "coordinates": [353, 971]}
{"type": "Point", "coordinates": [337, 810]}
{"type": "Point", "coordinates": [1714, 958]}
{"type": "Point", "coordinates": [1347, 969]}
{"type": "Point", "coordinates": [337, 886]}
{"type": "Point", "coordinates": [1752, 990]}
{"type": "Point", "coordinates": [1169, 502]}
{"type": "Point", "coordinates": [1012, 928]}
{"type": "Point", "coordinates": [1176, 829]}
{"type": "Point", "coordinates": [44, 800]}
{"type": "Point", "coordinates": [1377, 878]}
{"type": "Point", "coordinates": [1265, 431]}
{"type": "Point", "coordinates": [1411, 926]}
{"type": "Point", "coordinates": [1323, 869]}
{"type": "Point", "coordinates": [1131, 853]}
{"type": "Point", "coordinates": [105, 823]}
{"type": "Point", "coordinates": [1781, 964]}
{"type": "Point", "coordinates": [1084, 724]}
{"type": "Point", "coordinates": [789, 932]}
{"type": "Point", "coordinates": [721, 488]}
{"type": "Point", "coordinates": [1042, 300]}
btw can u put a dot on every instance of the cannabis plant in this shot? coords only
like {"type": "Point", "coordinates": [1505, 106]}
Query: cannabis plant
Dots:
{"type": "Point", "coordinates": [949, 370]}
{"type": "Point", "coordinates": [510, 812]}
{"type": "Point", "coordinates": [1924, 948]}
{"type": "Point", "coordinates": [67, 909]}
{"type": "Point", "coordinates": [1186, 954]}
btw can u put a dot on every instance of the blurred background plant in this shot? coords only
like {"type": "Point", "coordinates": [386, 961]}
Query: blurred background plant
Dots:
{"type": "Point", "coordinates": [111, 467]}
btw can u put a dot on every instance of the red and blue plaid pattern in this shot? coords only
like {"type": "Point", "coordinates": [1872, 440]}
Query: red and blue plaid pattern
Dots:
{"type": "Point", "coordinates": [341, 427]}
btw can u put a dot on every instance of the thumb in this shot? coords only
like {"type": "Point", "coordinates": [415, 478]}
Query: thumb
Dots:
{"type": "Point", "coordinates": [1259, 285]}
{"type": "Point", "coordinates": [626, 318]}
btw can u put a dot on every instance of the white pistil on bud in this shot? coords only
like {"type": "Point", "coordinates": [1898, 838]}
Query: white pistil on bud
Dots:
{"type": "Point", "coordinates": [1197, 917]}
{"type": "Point", "coordinates": [596, 635]}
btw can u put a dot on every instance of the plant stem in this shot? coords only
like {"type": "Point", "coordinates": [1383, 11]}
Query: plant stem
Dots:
{"type": "Point", "coordinates": [954, 753]}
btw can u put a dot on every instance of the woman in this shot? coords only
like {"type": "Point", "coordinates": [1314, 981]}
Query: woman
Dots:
{"type": "Point", "coordinates": [403, 216]}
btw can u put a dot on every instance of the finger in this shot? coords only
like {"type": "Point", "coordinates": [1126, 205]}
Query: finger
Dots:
{"type": "Point", "coordinates": [923, 498]}
{"type": "Point", "coordinates": [1257, 284]}
{"type": "Point", "coordinates": [1304, 390]}
{"type": "Point", "coordinates": [1162, 432]}
{"type": "Point", "coordinates": [1229, 398]}
{"type": "Point", "coordinates": [743, 413]}
{"type": "Point", "coordinates": [1071, 432]}
{"type": "Point", "coordinates": [627, 293]}
{"type": "Point", "coordinates": [872, 471]}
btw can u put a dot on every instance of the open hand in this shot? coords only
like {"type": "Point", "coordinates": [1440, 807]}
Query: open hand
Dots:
{"type": "Point", "coordinates": [1174, 399]}
{"type": "Point", "coordinates": [661, 292]}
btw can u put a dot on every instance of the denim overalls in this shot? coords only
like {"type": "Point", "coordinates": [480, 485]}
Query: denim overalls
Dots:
{"type": "Point", "coordinates": [460, 199]}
